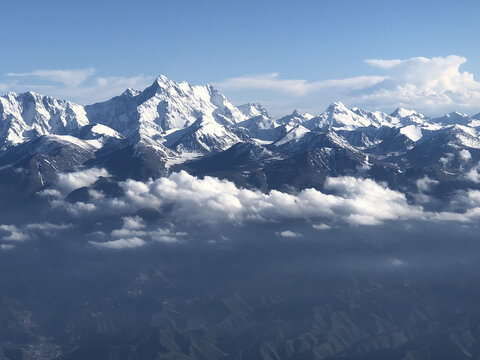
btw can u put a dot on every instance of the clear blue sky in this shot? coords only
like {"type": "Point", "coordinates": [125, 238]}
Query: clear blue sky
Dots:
{"type": "Point", "coordinates": [212, 41]}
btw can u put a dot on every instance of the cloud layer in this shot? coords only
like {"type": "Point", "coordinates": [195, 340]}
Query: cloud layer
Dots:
{"type": "Point", "coordinates": [181, 201]}
{"type": "Point", "coordinates": [211, 200]}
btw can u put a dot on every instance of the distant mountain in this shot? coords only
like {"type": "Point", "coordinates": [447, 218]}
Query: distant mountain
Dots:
{"type": "Point", "coordinates": [169, 125]}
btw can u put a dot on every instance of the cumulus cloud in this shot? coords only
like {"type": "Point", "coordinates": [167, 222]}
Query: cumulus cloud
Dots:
{"type": "Point", "coordinates": [136, 233]}
{"type": "Point", "coordinates": [133, 222]}
{"type": "Point", "coordinates": [181, 199]}
{"type": "Point", "coordinates": [288, 234]}
{"type": "Point", "coordinates": [426, 184]}
{"type": "Point", "coordinates": [465, 155]}
{"type": "Point", "coordinates": [210, 200]}
{"type": "Point", "coordinates": [166, 235]}
{"type": "Point", "coordinates": [21, 233]}
{"type": "Point", "coordinates": [447, 159]}
{"type": "Point", "coordinates": [435, 85]}
{"type": "Point", "coordinates": [67, 182]}
{"type": "Point", "coordinates": [425, 82]}
{"type": "Point", "coordinates": [473, 174]}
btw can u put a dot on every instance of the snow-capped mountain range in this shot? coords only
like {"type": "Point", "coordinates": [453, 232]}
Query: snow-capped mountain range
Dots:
{"type": "Point", "coordinates": [172, 125]}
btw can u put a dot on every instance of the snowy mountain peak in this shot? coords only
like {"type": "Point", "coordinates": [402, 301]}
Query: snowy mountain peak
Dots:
{"type": "Point", "coordinates": [338, 116]}
{"type": "Point", "coordinates": [453, 118]}
{"type": "Point", "coordinates": [337, 106]}
{"type": "Point", "coordinates": [162, 80]}
{"type": "Point", "coordinates": [402, 113]}
{"type": "Point", "coordinates": [130, 92]}
{"type": "Point", "coordinates": [26, 116]}
{"type": "Point", "coordinates": [296, 118]}
{"type": "Point", "coordinates": [252, 110]}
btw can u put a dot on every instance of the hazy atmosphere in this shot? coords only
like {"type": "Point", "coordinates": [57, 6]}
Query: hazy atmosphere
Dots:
{"type": "Point", "coordinates": [239, 180]}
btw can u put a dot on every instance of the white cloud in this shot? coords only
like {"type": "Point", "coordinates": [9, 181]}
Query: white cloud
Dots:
{"type": "Point", "coordinates": [183, 198]}
{"type": "Point", "coordinates": [120, 243]}
{"type": "Point", "coordinates": [426, 184]}
{"type": "Point", "coordinates": [48, 226]}
{"type": "Point", "coordinates": [321, 226]}
{"type": "Point", "coordinates": [433, 85]}
{"type": "Point", "coordinates": [210, 200]}
{"type": "Point", "coordinates": [296, 87]}
{"type": "Point", "coordinates": [98, 89]}
{"type": "Point", "coordinates": [446, 159]}
{"type": "Point", "coordinates": [67, 77]}
{"type": "Point", "coordinates": [14, 233]}
{"type": "Point", "coordinates": [21, 233]}
{"type": "Point", "coordinates": [133, 222]}
{"type": "Point", "coordinates": [288, 234]}
{"type": "Point", "coordinates": [6, 247]}
{"type": "Point", "coordinates": [465, 155]}
{"type": "Point", "coordinates": [473, 174]}
{"type": "Point", "coordinates": [67, 182]}
{"type": "Point", "coordinates": [77, 85]}
{"type": "Point", "coordinates": [424, 83]}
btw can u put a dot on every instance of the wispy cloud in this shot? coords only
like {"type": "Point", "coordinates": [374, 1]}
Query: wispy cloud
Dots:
{"type": "Point", "coordinates": [68, 77]}
{"type": "Point", "coordinates": [296, 87]}
{"type": "Point", "coordinates": [128, 243]}
{"type": "Point", "coordinates": [78, 85]}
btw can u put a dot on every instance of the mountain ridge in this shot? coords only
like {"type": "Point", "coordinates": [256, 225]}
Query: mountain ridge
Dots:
{"type": "Point", "coordinates": [172, 126]}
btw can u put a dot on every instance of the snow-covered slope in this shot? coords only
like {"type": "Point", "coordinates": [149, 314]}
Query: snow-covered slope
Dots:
{"type": "Point", "coordinates": [294, 134]}
{"type": "Point", "coordinates": [26, 116]}
{"type": "Point", "coordinates": [295, 118]}
{"type": "Point", "coordinates": [205, 136]}
{"type": "Point", "coordinates": [144, 133]}
{"type": "Point", "coordinates": [166, 109]}
{"type": "Point", "coordinates": [251, 110]}
{"type": "Point", "coordinates": [338, 116]}
{"type": "Point", "coordinates": [453, 118]}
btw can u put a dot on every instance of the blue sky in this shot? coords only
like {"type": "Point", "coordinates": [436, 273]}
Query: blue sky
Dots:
{"type": "Point", "coordinates": [261, 45]}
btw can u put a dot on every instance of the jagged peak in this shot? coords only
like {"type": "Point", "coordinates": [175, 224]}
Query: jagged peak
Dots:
{"type": "Point", "coordinates": [130, 92]}
{"type": "Point", "coordinates": [456, 114]}
{"type": "Point", "coordinates": [162, 79]}
{"type": "Point", "coordinates": [402, 112]}
{"type": "Point", "coordinates": [337, 106]}
{"type": "Point", "coordinates": [253, 109]}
